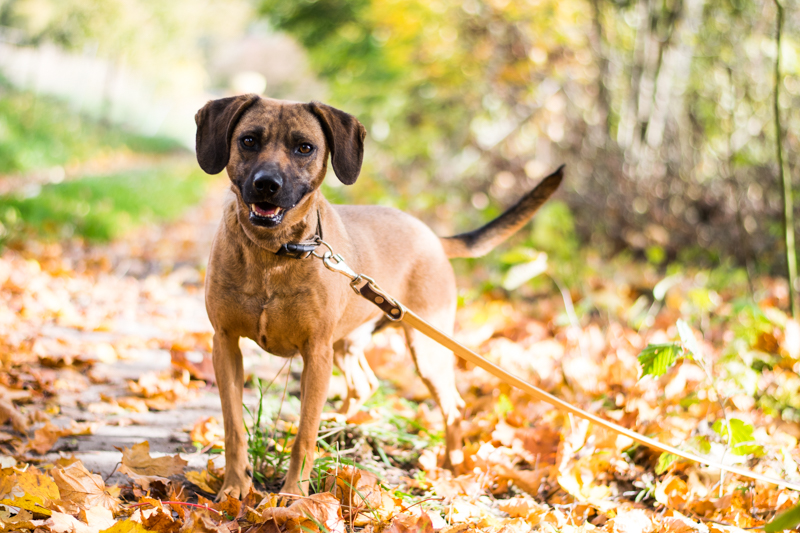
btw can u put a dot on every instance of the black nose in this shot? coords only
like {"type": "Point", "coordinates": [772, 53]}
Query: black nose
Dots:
{"type": "Point", "coordinates": [266, 181]}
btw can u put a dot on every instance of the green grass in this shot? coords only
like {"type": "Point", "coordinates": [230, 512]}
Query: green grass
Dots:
{"type": "Point", "coordinates": [390, 441]}
{"type": "Point", "coordinates": [40, 132]}
{"type": "Point", "coordinates": [99, 209]}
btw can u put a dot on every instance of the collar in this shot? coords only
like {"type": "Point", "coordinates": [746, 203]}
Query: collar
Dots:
{"type": "Point", "coordinates": [302, 249]}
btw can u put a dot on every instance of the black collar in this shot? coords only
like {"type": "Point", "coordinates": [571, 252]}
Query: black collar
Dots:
{"type": "Point", "coordinates": [302, 249]}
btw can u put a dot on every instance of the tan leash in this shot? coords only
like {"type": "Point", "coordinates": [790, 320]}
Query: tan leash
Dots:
{"type": "Point", "coordinates": [395, 311]}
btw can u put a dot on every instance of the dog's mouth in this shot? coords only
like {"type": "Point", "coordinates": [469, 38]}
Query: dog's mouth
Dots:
{"type": "Point", "coordinates": [266, 214]}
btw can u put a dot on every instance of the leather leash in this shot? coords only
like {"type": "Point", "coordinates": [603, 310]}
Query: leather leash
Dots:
{"type": "Point", "coordinates": [396, 311]}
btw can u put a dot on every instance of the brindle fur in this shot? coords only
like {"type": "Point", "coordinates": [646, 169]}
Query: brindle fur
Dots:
{"type": "Point", "coordinates": [298, 307]}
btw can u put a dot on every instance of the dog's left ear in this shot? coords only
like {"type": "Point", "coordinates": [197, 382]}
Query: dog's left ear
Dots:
{"type": "Point", "coordinates": [215, 124]}
{"type": "Point", "coordinates": [345, 136]}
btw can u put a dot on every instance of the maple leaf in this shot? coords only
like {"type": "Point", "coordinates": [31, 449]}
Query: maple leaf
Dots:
{"type": "Point", "coordinates": [143, 469]}
{"type": "Point", "coordinates": [65, 523]}
{"type": "Point", "coordinates": [84, 489]}
{"type": "Point", "coordinates": [33, 491]}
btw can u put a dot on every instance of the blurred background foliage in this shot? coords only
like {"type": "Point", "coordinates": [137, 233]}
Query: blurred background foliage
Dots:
{"type": "Point", "coordinates": [662, 110]}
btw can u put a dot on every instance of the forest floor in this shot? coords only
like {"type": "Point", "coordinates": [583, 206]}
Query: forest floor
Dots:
{"type": "Point", "coordinates": [109, 407]}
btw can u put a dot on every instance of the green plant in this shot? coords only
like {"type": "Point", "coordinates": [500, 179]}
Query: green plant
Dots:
{"type": "Point", "coordinates": [105, 207]}
{"type": "Point", "coordinates": [267, 457]}
{"type": "Point", "coordinates": [39, 132]}
{"type": "Point", "coordinates": [656, 359]}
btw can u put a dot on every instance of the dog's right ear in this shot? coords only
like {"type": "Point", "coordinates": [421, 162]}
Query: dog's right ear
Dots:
{"type": "Point", "coordinates": [215, 124]}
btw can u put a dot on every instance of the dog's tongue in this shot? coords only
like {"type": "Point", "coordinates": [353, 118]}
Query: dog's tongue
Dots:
{"type": "Point", "coordinates": [266, 210]}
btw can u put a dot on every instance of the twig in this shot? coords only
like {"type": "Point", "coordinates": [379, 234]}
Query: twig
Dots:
{"type": "Point", "coordinates": [105, 479]}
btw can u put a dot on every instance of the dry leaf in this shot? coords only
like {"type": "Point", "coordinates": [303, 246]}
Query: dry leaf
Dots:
{"type": "Point", "coordinates": [143, 469]}
{"type": "Point", "coordinates": [33, 491]}
{"type": "Point", "coordinates": [45, 438]}
{"type": "Point", "coordinates": [208, 432]}
{"type": "Point", "coordinates": [357, 490]}
{"type": "Point", "coordinates": [80, 487]}
{"type": "Point", "coordinates": [126, 526]}
{"type": "Point", "coordinates": [323, 510]}
{"type": "Point", "coordinates": [9, 411]}
{"type": "Point", "coordinates": [406, 523]}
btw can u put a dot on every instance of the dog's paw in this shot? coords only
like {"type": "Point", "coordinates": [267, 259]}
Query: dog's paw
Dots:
{"type": "Point", "coordinates": [235, 489]}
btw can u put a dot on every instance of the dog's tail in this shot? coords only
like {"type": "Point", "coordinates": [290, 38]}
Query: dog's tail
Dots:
{"type": "Point", "coordinates": [480, 241]}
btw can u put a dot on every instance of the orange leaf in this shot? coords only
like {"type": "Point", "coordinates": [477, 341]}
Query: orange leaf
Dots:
{"type": "Point", "coordinates": [80, 487]}
{"type": "Point", "coordinates": [406, 523]}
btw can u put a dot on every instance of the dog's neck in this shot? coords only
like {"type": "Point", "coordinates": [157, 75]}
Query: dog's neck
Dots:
{"type": "Point", "coordinates": [311, 215]}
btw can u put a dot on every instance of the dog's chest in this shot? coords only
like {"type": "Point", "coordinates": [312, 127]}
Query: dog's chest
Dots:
{"type": "Point", "coordinates": [287, 319]}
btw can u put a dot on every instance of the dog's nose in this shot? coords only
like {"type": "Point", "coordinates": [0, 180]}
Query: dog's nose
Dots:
{"type": "Point", "coordinates": [267, 181]}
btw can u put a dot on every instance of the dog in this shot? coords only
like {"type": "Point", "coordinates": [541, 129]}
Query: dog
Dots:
{"type": "Point", "coordinates": [259, 286]}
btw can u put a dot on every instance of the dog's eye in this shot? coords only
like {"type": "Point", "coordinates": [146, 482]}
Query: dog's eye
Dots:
{"type": "Point", "coordinates": [249, 142]}
{"type": "Point", "coordinates": [305, 148]}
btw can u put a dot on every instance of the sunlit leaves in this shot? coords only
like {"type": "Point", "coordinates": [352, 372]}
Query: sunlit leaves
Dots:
{"type": "Point", "coordinates": [656, 359]}
{"type": "Point", "coordinates": [741, 441]}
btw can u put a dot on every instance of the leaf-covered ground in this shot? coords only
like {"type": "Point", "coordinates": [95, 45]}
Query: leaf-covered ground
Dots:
{"type": "Point", "coordinates": [716, 361]}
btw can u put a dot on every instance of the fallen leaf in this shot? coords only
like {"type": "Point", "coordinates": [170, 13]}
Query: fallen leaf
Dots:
{"type": "Point", "coordinates": [126, 526]}
{"type": "Point", "coordinates": [79, 486]}
{"type": "Point", "coordinates": [208, 432]}
{"type": "Point", "coordinates": [9, 411]}
{"type": "Point", "coordinates": [33, 491]}
{"type": "Point", "coordinates": [45, 438]}
{"type": "Point", "coordinates": [143, 469]}
{"type": "Point", "coordinates": [357, 490]}
{"type": "Point", "coordinates": [323, 510]}
{"type": "Point", "coordinates": [406, 523]}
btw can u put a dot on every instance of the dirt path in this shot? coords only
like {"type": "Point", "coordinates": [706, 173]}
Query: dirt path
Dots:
{"type": "Point", "coordinates": [79, 323]}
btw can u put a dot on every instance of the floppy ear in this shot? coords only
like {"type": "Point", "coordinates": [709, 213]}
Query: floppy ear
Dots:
{"type": "Point", "coordinates": [345, 136]}
{"type": "Point", "coordinates": [215, 124]}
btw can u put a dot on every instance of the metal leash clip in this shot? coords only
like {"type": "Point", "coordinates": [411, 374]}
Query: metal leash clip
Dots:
{"type": "Point", "coordinates": [370, 290]}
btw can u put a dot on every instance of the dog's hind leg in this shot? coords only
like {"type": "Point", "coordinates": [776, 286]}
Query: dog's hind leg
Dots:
{"type": "Point", "coordinates": [435, 366]}
{"type": "Point", "coordinates": [349, 358]}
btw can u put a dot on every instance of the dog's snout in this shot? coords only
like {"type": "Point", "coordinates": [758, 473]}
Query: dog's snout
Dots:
{"type": "Point", "coordinates": [269, 182]}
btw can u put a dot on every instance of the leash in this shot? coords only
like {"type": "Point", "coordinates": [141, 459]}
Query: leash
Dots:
{"type": "Point", "coordinates": [395, 311]}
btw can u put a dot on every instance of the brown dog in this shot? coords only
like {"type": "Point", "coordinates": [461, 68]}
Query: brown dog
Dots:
{"type": "Point", "coordinates": [276, 155]}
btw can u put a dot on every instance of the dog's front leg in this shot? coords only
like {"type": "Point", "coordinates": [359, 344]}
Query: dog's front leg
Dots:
{"type": "Point", "coordinates": [229, 372]}
{"type": "Point", "coordinates": [317, 366]}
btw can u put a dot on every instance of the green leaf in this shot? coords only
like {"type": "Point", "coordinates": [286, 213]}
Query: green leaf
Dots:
{"type": "Point", "coordinates": [741, 441]}
{"type": "Point", "coordinates": [688, 340]}
{"type": "Point", "coordinates": [665, 460]}
{"type": "Point", "coordinates": [787, 520]}
{"type": "Point", "coordinates": [657, 358]}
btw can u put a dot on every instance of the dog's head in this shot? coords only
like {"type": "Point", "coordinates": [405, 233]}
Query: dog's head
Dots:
{"type": "Point", "coordinates": [276, 152]}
